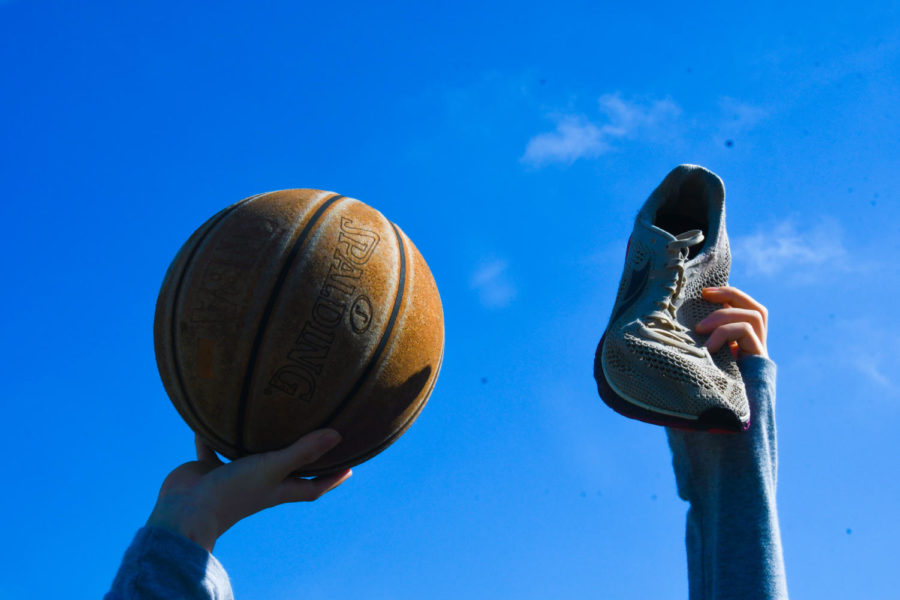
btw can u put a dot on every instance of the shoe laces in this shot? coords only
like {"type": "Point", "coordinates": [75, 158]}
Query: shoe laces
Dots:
{"type": "Point", "coordinates": [663, 320]}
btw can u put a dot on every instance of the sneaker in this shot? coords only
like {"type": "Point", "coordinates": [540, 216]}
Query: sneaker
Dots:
{"type": "Point", "coordinates": [650, 364]}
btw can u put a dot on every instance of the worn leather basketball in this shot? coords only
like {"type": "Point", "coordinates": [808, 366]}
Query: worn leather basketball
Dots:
{"type": "Point", "coordinates": [296, 310]}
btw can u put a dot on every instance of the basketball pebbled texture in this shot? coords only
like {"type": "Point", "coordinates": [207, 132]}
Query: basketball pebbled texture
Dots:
{"type": "Point", "coordinates": [296, 310]}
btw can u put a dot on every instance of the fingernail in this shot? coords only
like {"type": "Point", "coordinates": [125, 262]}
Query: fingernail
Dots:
{"type": "Point", "coordinates": [710, 289]}
{"type": "Point", "coordinates": [699, 327]}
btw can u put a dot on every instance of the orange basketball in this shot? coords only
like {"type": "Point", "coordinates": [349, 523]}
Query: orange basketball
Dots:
{"type": "Point", "coordinates": [296, 310]}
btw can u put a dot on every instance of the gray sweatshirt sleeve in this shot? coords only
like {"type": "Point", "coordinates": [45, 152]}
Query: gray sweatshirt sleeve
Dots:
{"type": "Point", "coordinates": [733, 540]}
{"type": "Point", "coordinates": [161, 564]}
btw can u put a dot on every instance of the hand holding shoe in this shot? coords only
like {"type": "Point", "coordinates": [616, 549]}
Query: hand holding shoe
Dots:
{"type": "Point", "coordinates": [743, 323]}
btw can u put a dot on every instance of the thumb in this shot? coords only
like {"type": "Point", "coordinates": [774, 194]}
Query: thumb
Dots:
{"type": "Point", "coordinates": [306, 490]}
{"type": "Point", "coordinates": [304, 451]}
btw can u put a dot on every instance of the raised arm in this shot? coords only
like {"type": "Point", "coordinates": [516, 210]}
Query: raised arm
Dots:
{"type": "Point", "coordinates": [171, 556]}
{"type": "Point", "coordinates": [733, 539]}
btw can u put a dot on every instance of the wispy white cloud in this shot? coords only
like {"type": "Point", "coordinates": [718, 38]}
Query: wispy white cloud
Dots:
{"type": "Point", "coordinates": [633, 118]}
{"type": "Point", "coordinates": [737, 116]}
{"type": "Point", "coordinates": [576, 136]}
{"type": "Point", "coordinates": [867, 348]}
{"type": "Point", "coordinates": [493, 284]}
{"type": "Point", "coordinates": [799, 254]}
{"type": "Point", "coordinates": [622, 120]}
{"type": "Point", "coordinates": [870, 368]}
{"type": "Point", "coordinates": [845, 358]}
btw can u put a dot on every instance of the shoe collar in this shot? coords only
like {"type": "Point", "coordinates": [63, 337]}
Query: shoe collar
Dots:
{"type": "Point", "coordinates": [713, 196]}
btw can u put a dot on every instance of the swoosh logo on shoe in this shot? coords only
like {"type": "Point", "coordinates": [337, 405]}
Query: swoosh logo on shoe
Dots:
{"type": "Point", "coordinates": [636, 288]}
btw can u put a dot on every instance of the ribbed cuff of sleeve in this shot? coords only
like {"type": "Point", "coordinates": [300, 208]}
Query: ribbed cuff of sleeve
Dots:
{"type": "Point", "coordinates": [163, 564]}
{"type": "Point", "coordinates": [757, 369]}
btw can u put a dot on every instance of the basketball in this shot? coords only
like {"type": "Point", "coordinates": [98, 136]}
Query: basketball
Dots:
{"type": "Point", "coordinates": [296, 310]}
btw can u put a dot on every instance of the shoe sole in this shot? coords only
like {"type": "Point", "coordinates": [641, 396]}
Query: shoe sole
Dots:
{"type": "Point", "coordinates": [714, 420]}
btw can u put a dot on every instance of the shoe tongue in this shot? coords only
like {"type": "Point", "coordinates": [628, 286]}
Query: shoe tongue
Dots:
{"type": "Point", "coordinates": [669, 237]}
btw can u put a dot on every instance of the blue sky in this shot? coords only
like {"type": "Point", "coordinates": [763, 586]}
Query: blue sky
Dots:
{"type": "Point", "coordinates": [514, 143]}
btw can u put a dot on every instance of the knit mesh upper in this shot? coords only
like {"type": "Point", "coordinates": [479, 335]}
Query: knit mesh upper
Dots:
{"type": "Point", "coordinates": [668, 371]}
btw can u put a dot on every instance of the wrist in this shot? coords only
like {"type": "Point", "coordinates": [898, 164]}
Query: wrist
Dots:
{"type": "Point", "coordinates": [177, 516]}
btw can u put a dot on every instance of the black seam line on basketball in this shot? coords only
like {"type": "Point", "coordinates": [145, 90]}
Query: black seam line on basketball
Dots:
{"type": "Point", "coordinates": [393, 437]}
{"type": "Point", "coordinates": [267, 313]}
{"type": "Point", "coordinates": [382, 343]}
{"type": "Point", "coordinates": [174, 319]}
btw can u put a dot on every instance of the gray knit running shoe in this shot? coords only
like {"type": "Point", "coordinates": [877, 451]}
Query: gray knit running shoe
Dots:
{"type": "Point", "coordinates": [650, 364]}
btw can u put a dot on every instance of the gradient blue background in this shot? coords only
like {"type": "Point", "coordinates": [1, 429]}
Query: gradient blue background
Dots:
{"type": "Point", "coordinates": [514, 142]}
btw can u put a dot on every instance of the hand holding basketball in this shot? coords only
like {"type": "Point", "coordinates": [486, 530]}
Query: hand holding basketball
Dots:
{"type": "Point", "coordinates": [202, 499]}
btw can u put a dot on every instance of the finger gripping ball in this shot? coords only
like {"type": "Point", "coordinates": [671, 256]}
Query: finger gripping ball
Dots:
{"type": "Point", "coordinates": [295, 310]}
